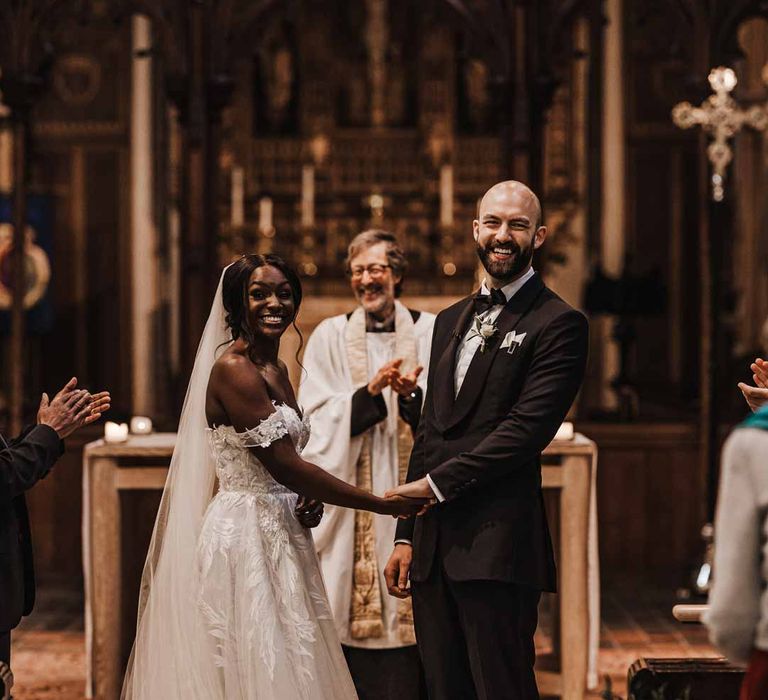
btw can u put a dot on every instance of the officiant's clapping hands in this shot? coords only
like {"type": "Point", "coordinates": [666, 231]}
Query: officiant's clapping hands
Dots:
{"type": "Point", "coordinates": [757, 396]}
{"type": "Point", "coordinates": [389, 375]}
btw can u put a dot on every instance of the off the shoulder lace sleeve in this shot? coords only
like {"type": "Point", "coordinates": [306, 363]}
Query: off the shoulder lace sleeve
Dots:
{"type": "Point", "coordinates": [271, 429]}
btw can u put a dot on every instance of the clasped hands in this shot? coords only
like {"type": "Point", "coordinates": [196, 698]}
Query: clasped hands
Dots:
{"type": "Point", "coordinates": [389, 375]}
{"type": "Point", "coordinates": [419, 490]}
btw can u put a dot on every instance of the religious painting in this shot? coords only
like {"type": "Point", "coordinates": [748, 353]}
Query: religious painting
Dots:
{"type": "Point", "coordinates": [275, 69]}
{"type": "Point", "coordinates": [475, 113]}
{"type": "Point", "coordinates": [38, 245]}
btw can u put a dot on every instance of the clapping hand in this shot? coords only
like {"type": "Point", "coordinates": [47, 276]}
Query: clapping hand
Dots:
{"type": "Point", "coordinates": [72, 408]}
{"type": "Point", "coordinates": [757, 396]}
{"type": "Point", "coordinates": [6, 681]}
{"type": "Point", "coordinates": [405, 384]}
{"type": "Point", "coordinates": [383, 377]}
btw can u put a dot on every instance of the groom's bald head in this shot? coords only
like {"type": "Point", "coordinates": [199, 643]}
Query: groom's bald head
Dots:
{"type": "Point", "coordinates": [512, 189]}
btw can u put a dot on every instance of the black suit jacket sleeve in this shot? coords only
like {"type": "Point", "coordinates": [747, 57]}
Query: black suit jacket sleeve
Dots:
{"type": "Point", "coordinates": [552, 381]}
{"type": "Point", "coordinates": [369, 410]}
{"type": "Point", "coordinates": [410, 409]}
{"type": "Point", "coordinates": [27, 459]}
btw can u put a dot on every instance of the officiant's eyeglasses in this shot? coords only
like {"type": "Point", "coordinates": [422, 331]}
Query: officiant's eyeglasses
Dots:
{"type": "Point", "coordinates": [356, 273]}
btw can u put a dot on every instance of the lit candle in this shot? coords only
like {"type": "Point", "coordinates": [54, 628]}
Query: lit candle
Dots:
{"type": "Point", "coordinates": [141, 425]}
{"type": "Point", "coordinates": [308, 195]}
{"type": "Point", "coordinates": [265, 214]}
{"type": "Point", "coordinates": [115, 432]}
{"type": "Point", "coordinates": [446, 195]}
{"type": "Point", "coordinates": [238, 196]}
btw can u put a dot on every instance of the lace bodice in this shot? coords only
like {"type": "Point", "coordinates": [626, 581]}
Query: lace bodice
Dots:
{"type": "Point", "coordinates": [237, 468]}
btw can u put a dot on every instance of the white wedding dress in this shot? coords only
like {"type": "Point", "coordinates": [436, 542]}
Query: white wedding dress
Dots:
{"type": "Point", "coordinates": [232, 604]}
{"type": "Point", "coordinates": [261, 596]}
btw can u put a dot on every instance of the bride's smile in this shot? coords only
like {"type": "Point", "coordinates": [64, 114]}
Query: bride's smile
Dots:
{"type": "Point", "coordinates": [271, 306]}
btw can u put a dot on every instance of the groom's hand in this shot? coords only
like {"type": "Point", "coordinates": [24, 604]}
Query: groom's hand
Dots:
{"type": "Point", "coordinates": [413, 489]}
{"type": "Point", "coordinates": [419, 490]}
{"type": "Point", "coordinates": [397, 569]}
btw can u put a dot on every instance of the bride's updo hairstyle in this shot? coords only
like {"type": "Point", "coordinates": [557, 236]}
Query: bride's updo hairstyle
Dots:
{"type": "Point", "coordinates": [234, 292]}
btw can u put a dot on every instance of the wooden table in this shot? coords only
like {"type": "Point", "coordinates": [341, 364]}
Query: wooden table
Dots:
{"type": "Point", "coordinates": [569, 470]}
{"type": "Point", "coordinates": [110, 468]}
{"type": "Point", "coordinates": [107, 470]}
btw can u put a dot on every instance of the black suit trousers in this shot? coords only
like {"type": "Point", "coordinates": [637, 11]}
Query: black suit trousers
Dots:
{"type": "Point", "coordinates": [476, 637]}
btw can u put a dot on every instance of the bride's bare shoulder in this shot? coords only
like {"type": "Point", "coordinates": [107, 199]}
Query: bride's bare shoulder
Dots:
{"type": "Point", "coordinates": [233, 370]}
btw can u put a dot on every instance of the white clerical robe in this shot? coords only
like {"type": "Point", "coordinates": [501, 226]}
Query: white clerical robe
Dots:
{"type": "Point", "coordinates": [325, 395]}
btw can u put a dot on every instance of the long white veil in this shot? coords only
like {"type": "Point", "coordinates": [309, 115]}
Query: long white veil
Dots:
{"type": "Point", "coordinates": [171, 657]}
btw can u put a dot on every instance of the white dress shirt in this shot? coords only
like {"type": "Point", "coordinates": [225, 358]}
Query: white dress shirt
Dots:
{"type": "Point", "coordinates": [472, 341]}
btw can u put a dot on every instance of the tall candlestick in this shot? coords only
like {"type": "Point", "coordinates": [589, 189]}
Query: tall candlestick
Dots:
{"type": "Point", "coordinates": [238, 196]}
{"type": "Point", "coordinates": [446, 195]}
{"type": "Point", "coordinates": [265, 214]}
{"type": "Point", "coordinates": [308, 196]}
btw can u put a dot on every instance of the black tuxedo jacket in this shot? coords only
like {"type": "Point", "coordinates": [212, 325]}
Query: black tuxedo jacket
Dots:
{"type": "Point", "coordinates": [23, 462]}
{"type": "Point", "coordinates": [482, 449]}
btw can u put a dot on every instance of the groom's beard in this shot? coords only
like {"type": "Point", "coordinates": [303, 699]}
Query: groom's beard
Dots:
{"type": "Point", "coordinates": [504, 270]}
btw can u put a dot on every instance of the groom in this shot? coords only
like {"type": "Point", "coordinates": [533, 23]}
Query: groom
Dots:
{"type": "Point", "coordinates": [505, 367]}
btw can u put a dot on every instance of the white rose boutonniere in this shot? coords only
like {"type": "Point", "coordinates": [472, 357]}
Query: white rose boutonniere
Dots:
{"type": "Point", "coordinates": [485, 330]}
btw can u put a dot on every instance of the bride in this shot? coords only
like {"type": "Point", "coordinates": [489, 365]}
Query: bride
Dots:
{"type": "Point", "coordinates": [232, 605]}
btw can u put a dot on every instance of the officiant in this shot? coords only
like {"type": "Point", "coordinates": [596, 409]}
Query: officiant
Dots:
{"type": "Point", "coordinates": [363, 390]}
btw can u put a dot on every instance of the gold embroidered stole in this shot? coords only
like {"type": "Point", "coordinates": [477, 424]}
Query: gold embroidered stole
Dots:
{"type": "Point", "coordinates": [366, 618]}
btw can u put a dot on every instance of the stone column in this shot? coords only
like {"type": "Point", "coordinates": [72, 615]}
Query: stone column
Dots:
{"type": "Point", "coordinates": [143, 234]}
{"type": "Point", "coordinates": [613, 160]}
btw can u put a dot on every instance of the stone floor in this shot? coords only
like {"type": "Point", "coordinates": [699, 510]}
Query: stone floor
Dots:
{"type": "Point", "coordinates": [49, 655]}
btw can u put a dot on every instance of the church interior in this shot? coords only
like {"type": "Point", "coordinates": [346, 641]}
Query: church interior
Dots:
{"type": "Point", "coordinates": [145, 144]}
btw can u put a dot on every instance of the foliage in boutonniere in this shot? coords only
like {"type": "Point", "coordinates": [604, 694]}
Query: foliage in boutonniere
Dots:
{"type": "Point", "coordinates": [486, 330]}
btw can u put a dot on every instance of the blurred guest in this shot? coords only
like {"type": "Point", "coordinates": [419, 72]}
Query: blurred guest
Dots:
{"type": "Point", "coordinates": [23, 462]}
{"type": "Point", "coordinates": [738, 603]}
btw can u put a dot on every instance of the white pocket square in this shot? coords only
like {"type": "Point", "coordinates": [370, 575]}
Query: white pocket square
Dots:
{"type": "Point", "coordinates": [512, 341]}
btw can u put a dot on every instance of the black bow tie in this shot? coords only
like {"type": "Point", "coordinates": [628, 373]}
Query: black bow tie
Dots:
{"type": "Point", "coordinates": [483, 302]}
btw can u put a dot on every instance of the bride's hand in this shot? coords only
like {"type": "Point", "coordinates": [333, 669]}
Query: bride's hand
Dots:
{"type": "Point", "coordinates": [309, 512]}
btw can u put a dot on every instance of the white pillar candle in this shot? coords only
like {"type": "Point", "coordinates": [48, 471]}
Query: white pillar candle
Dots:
{"type": "Point", "coordinates": [265, 214]}
{"type": "Point", "coordinates": [308, 195]}
{"type": "Point", "coordinates": [115, 432]}
{"type": "Point", "coordinates": [446, 195]}
{"type": "Point", "coordinates": [565, 432]}
{"type": "Point", "coordinates": [141, 425]}
{"type": "Point", "coordinates": [237, 216]}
